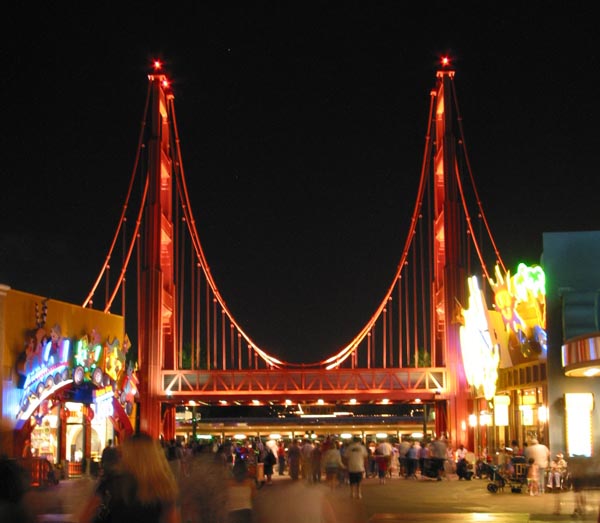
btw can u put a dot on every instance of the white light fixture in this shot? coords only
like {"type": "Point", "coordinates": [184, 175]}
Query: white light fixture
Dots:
{"type": "Point", "coordinates": [592, 371]}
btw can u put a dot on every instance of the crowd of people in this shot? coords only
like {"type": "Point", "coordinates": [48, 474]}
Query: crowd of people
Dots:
{"type": "Point", "coordinates": [168, 482]}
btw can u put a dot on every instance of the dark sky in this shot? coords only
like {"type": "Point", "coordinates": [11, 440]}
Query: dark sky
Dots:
{"type": "Point", "coordinates": [302, 129]}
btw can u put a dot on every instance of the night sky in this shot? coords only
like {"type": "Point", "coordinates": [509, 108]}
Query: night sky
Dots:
{"type": "Point", "coordinates": [302, 129]}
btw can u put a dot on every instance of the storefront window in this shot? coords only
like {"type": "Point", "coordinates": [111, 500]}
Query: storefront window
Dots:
{"type": "Point", "coordinates": [44, 437]}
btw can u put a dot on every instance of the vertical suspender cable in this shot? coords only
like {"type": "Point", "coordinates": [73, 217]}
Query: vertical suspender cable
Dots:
{"type": "Point", "coordinates": [415, 308]}
{"type": "Point", "coordinates": [423, 290]}
{"type": "Point", "coordinates": [384, 325]}
{"type": "Point", "coordinates": [180, 288]}
{"type": "Point", "coordinates": [215, 331]}
{"type": "Point", "coordinates": [223, 340]}
{"type": "Point", "coordinates": [209, 361]}
{"type": "Point", "coordinates": [390, 330]}
{"type": "Point", "coordinates": [400, 329]}
{"type": "Point", "coordinates": [198, 298]}
{"type": "Point", "coordinates": [407, 321]}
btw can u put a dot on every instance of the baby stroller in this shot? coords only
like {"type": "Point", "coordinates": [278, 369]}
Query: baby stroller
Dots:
{"type": "Point", "coordinates": [513, 475]}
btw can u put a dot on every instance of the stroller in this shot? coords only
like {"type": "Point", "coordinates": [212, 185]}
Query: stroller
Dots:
{"type": "Point", "coordinates": [513, 475]}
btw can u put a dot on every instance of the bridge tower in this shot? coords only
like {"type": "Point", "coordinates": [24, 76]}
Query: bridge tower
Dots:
{"type": "Point", "coordinates": [156, 325]}
{"type": "Point", "coordinates": [449, 259]}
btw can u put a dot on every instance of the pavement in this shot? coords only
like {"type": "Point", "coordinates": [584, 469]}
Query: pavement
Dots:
{"type": "Point", "coordinates": [398, 500]}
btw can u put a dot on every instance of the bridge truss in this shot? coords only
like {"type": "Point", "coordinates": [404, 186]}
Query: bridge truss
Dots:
{"type": "Point", "coordinates": [192, 348]}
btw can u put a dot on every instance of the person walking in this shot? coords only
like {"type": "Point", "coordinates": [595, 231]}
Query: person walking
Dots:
{"type": "Point", "coordinates": [412, 460]}
{"type": "Point", "coordinates": [269, 464]}
{"type": "Point", "coordinates": [357, 456]}
{"type": "Point", "coordinates": [110, 457]}
{"type": "Point", "coordinates": [306, 460]}
{"type": "Point", "coordinates": [141, 487]}
{"type": "Point", "coordinates": [541, 456]}
{"type": "Point", "coordinates": [384, 449]}
{"type": "Point", "coordinates": [439, 454]}
{"type": "Point", "coordinates": [281, 458]}
{"type": "Point", "coordinates": [332, 463]}
{"type": "Point", "coordinates": [294, 460]}
{"type": "Point", "coordinates": [315, 462]}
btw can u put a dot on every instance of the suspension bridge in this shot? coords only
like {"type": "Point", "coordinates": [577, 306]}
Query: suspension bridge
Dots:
{"type": "Point", "coordinates": [191, 348]}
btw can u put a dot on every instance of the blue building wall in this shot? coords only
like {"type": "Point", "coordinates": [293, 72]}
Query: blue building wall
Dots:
{"type": "Point", "coordinates": [571, 261]}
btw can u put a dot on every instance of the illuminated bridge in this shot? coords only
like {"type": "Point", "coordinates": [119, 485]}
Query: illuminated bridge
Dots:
{"type": "Point", "coordinates": [193, 351]}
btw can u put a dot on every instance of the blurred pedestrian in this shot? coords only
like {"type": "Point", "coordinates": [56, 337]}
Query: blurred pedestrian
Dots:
{"type": "Point", "coordinates": [240, 494]}
{"type": "Point", "coordinates": [332, 463]}
{"type": "Point", "coordinates": [306, 457]}
{"type": "Point", "coordinates": [439, 455]}
{"type": "Point", "coordinates": [13, 487]}
{"type": "Point", "coordinates": [281, 458]}
{"type": "Point", "coordinates": [533, 477]}
{"type": "Point", "coordinates": [269, 463]}
{"type": "Point", "coordinates": [294, 459]}
{"type": "Point", "coordinates": [357, 456]}
{"type": "Point", "coordinates": [315, 465]}
{"type": "Point", "coordinates": [541, 455]}
{"type": "Point", "coordinates": [203, 490]}
{"type": "Point", "coordinates": [109, 458]}
{"type": "Point", "coordinates": [412, 460]}
{"type": "Point", "coordinates": [175, 457]}
{"type": "Point", "coordinates": [141, 487]}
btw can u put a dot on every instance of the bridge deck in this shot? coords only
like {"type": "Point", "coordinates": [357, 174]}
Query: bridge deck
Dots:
{"type": "Point", "coordinates": [394, 383]}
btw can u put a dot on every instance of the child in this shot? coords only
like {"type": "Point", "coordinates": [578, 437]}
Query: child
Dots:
{"type": "Point", "coordinates": [533, 476]}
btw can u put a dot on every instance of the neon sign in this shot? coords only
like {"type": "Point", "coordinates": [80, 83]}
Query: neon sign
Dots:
{"type": "Point", "coordinates": [479, 343]}
{"type": "Point", "coordinates": [521, 300]}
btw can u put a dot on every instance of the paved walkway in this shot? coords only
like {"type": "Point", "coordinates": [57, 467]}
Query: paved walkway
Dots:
{"type": "Point", "coordinates": [423, 501]}
{"type": "Point", "coordinates": [398, 500]}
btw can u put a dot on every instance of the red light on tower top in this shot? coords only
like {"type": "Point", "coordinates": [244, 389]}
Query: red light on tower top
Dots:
{"type": "Point", "coordinates": [157, 65]}
{"type": "Point", "coordinates": [445, 61]}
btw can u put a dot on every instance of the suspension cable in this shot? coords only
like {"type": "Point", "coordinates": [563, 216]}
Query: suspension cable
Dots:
{"type": "Point", "coordinates": [187, 209]}
{"type": "Point", "coordinates": [479, 204]}
{"type": "Point", "coordinates": [127, 197]}
{"type": "Point", "coordinates": [470, 225]}
{"type": "Point", "coordinates": [131, 247]}
{"type": "Point", "coordinates": [337, 359]}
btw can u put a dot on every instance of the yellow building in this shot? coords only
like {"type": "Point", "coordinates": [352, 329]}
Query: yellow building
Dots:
{"type": "Point", "coordinates": [63, 371]}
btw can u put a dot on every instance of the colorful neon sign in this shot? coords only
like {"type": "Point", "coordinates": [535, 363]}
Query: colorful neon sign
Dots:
{"type": "Point", "coordinates": [521, 300]}
{"type": "Point", "coordinates": [479, 343]}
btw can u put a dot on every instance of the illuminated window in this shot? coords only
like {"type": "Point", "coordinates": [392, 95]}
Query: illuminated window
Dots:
{"type": "Point", "coordinates": [501, 404]}
{"type": "Point", "coordinates": [578, 410]}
